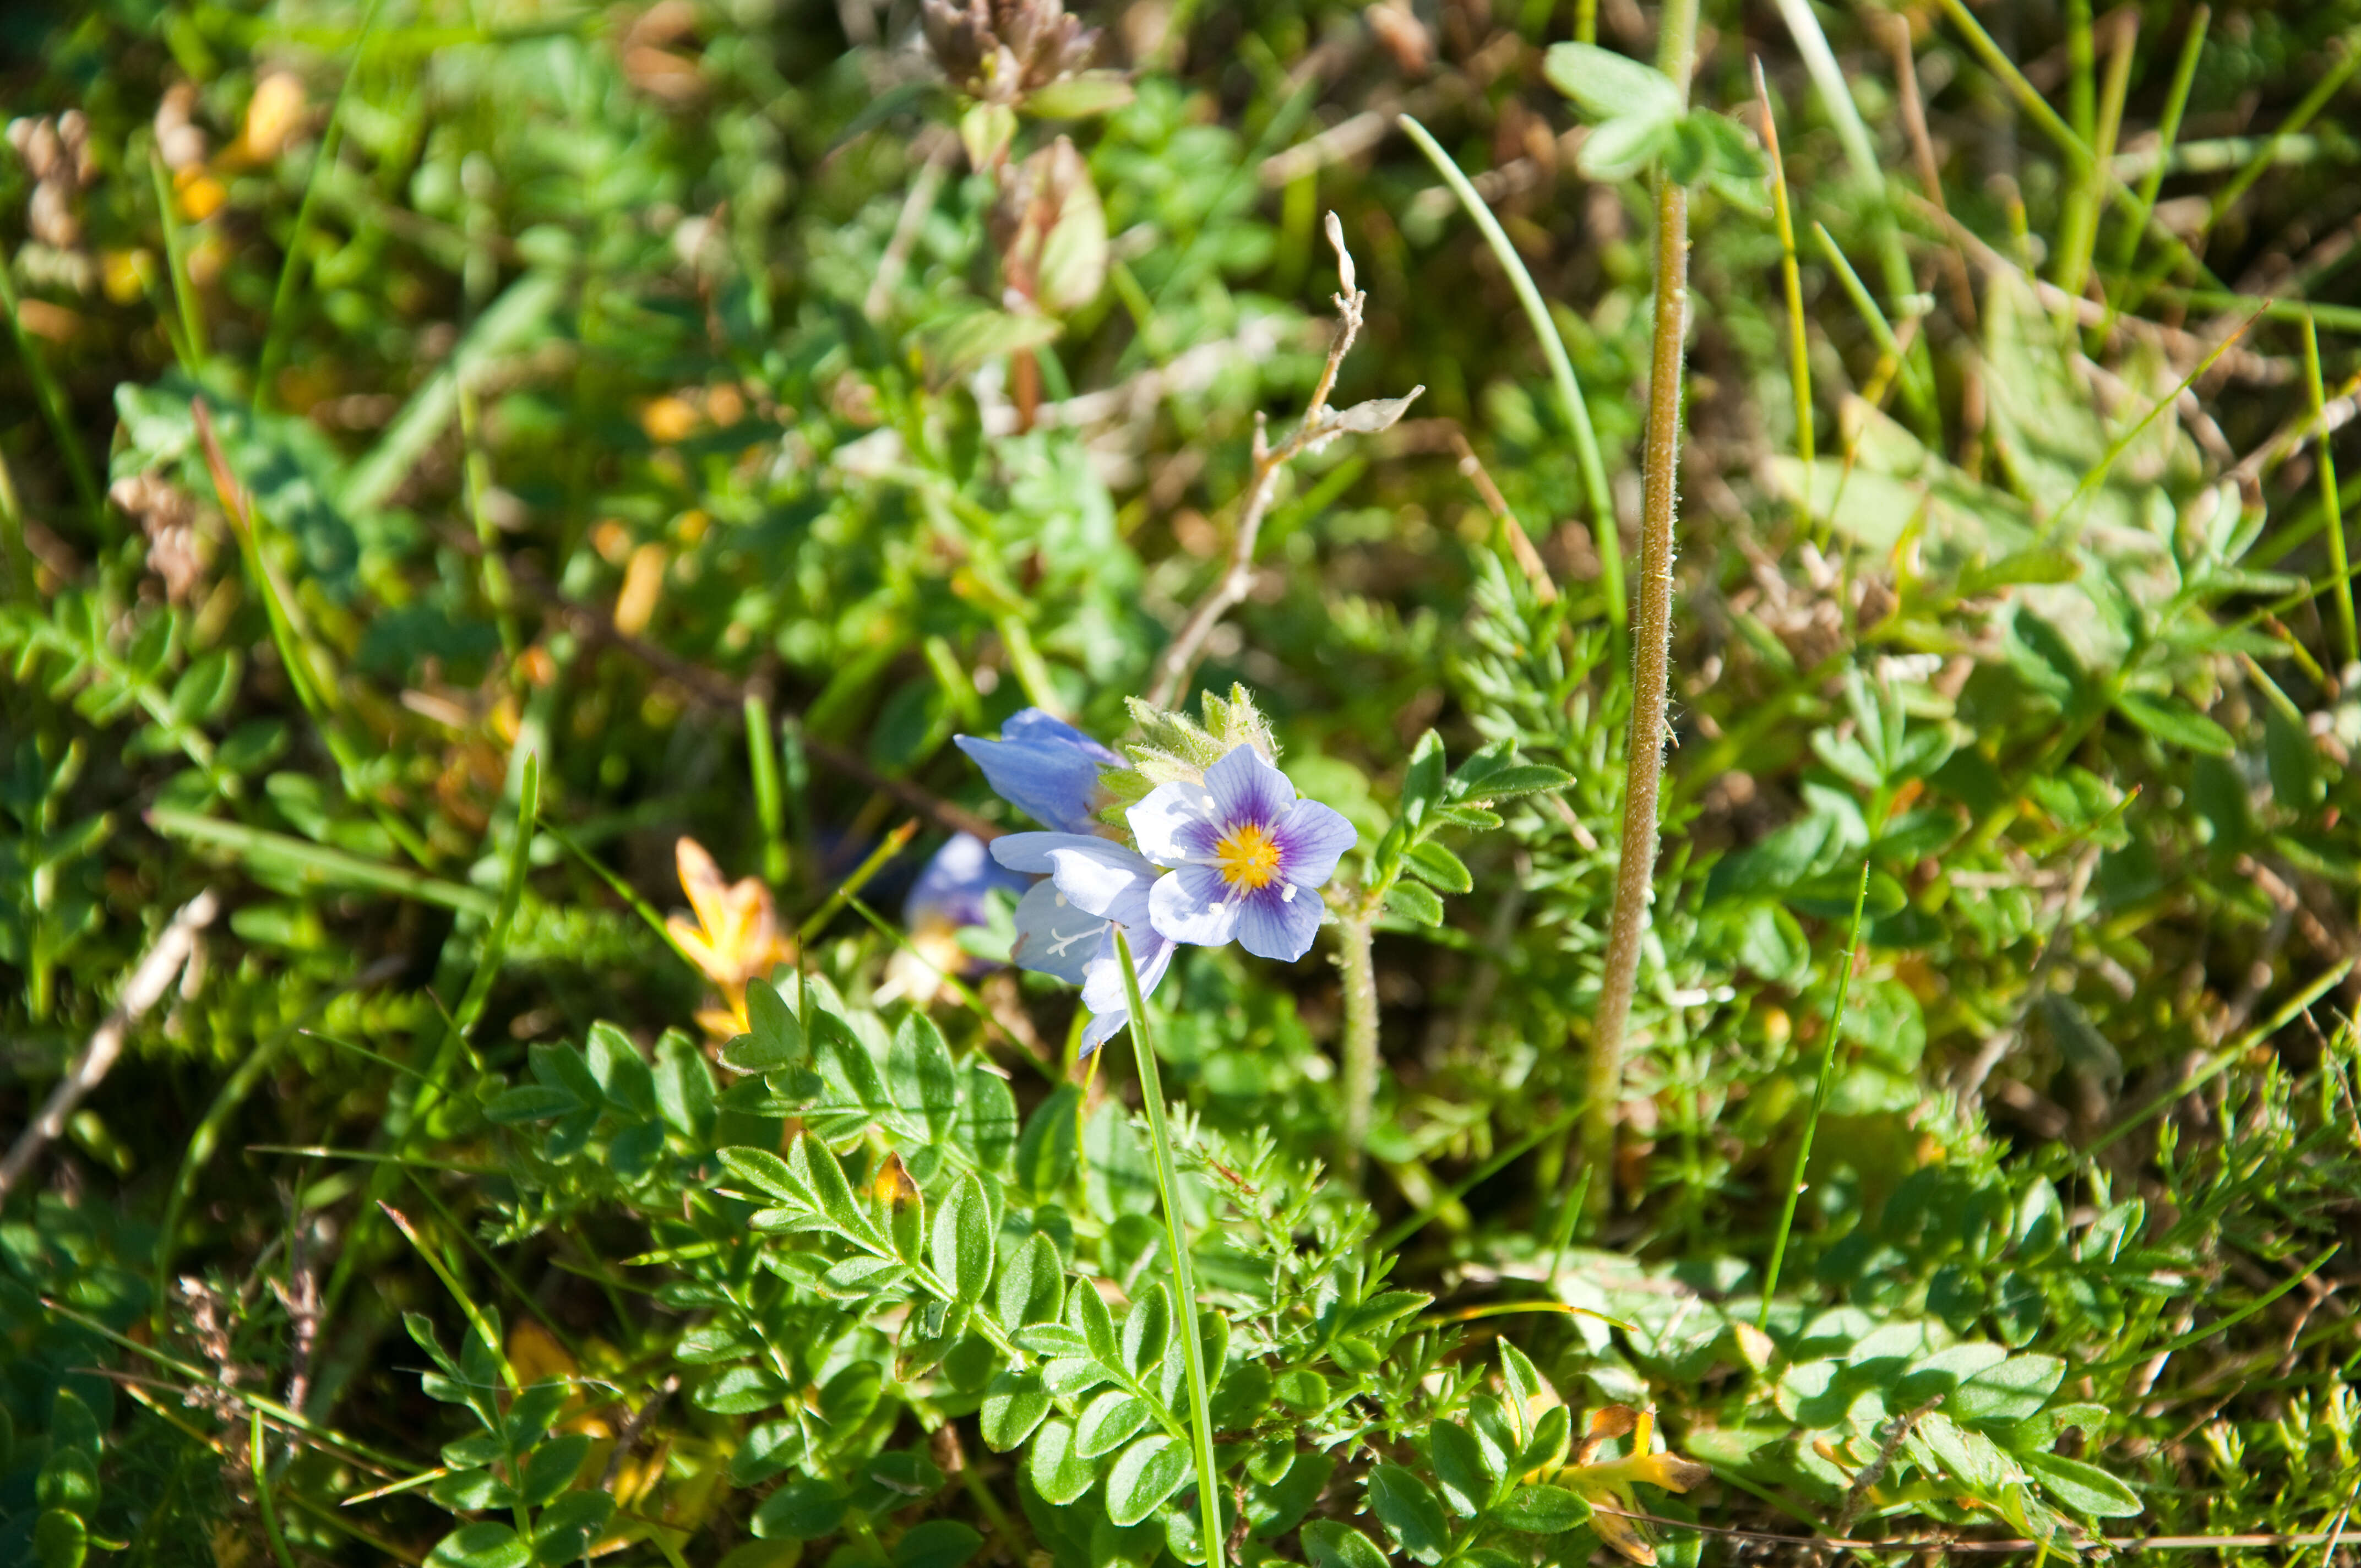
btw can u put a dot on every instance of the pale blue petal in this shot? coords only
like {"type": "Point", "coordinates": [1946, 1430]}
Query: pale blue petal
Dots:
{"type": "Point", "coordinates": [1312, 839]}
{"type": "Point", "coordinates": [1030, 852]}
{"type": "Point", "coordinates": [1191, 904]}
{"type": "Point", "coordinates": [1103, 989]}
{"type": "Point", "coordinates": [1104, 877]}
{"type": "Point", "coordinates": [1274, 924]}
{"type": "Point", "coordinates": [1247, 788]}
{"type": "Point", "coordinates": [1043, 766]}
{"type": "Point", "coordinates": [1034, 726]}
{"type": "Point", "coordinates": [1053, 936]}
{"type": "Point", "coordinates": [1175, 824]}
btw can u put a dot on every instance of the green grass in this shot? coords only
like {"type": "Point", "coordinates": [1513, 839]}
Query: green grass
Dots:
{"type": "Point", "coordinates": [579, 428]}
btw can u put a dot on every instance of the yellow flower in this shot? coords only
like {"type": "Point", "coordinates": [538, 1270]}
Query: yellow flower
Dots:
{"type": "Point", "coordinates": [735, 937]}
{"type": "Point", "coordinates": [1607, 1485]}
{"type": "Point", "coordinates": [272, 115]}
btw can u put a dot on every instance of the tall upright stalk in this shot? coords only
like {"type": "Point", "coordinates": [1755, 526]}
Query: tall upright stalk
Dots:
{"type": "Point", "coordinates": [1651, 631]}
{"type": "Point", "coordinates": [1176, 1232]}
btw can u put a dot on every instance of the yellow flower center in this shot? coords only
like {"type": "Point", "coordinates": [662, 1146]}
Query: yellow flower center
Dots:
{"type": "Point", "coordinates": [1248, 858]}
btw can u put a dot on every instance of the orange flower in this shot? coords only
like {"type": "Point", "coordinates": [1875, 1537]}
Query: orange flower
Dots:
{"type": "Point", "coordinates": [735, 937]}
{"type": "Point", "coordinates": [1607, 1485]}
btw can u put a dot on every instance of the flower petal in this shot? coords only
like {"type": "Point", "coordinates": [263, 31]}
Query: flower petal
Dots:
{"type": "Point", "coordinates": [1053, 936]}
{"type": "Point", "coordinates": [1030, 852]}
{"type": "Point", "coordinates": [1043, 766]}
{"type": "Point", "coordinates": [1175, 824]}
{"type": "Point", "coordinates": [1102, 988]}
{"type": "Point", "coordinates": [1312, 839]}
{"type": "Point", "coordinates": [1104, 879]}
{"type": "Point", "coordinates": [1245, 787]}
{"type": "Point", "coordinates": [1191, 904]}
{"type": "Point", "coordinates": [953, 888]}
{"type": "Point", "coordinates": [1279, 921]}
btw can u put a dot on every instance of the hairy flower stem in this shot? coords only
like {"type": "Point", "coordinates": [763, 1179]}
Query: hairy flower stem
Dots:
{"type": "Point", "coordinates": [1184, 1276]}
{"type": "Point", "coordinates": [1651, 647]}
{"type": "Point", "coordinates": [1355, 959]}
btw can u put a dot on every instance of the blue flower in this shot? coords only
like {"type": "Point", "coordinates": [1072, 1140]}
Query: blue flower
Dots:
{"type": "Point", "coordinates": [1046, 768]}
{"type": "Point", "coordinates": [1248, 857]}
{"type": "Point", "coordinates": [1066, 926]}
{"type": "Point", "coordinates": [953, 892]}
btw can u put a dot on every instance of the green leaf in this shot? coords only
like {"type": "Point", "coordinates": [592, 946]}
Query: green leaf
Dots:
{"type": "Point", "coordinates": [804, 1509]}
{"type": "Point", "coordinates": [1610, 86]}
{"type": "Point", "coordinates": [1109, 1422]}
{"type": "Point", "coordinates": [2084, 1489]}
{"type": "Point", "coordinates": [1410, 1511]}
{"type": "Point", "coordinates": [1144, 1475]}
{"type": "Point", "coordinates": [2175, 723]}
{"type": "Point", "coordinates": [1057, 1472]}
{"type": "Point", "coordinates": [567, 1528]}
{"type": "Point", "coordinates": [760, 1168]}
{"type": "Point", "coordinates": [59, 1540]}
{"type": "Point", "coordinates": [740, 1391]}
{"type": "Point", "coordinates": [530, 1102]}
{"type": "Point", "coordinates": [963, 1242]}
{"type": "Point", "coordinates": [1331, 1544]}
{"type": "Point", "coordinates": [1049, 1149]}
{"type": "Point", "coordinates": [1441, 866]}
{"type": "Point", "coordinates": [1460, 1469]}
{"type": "Point", "coordinates": [2010, 1391]}
{"type": "Point", "coordinates": [1087, 1310]}
{"type": "Point", "coordinates": [1544, 1509]}
{"type": "Point", "coordinates": [1414, 902]}
{"type": "Point", "coordinates": [777, 1039]}
{"type": "Point", "coordinates": [814, 1161]}
{"type": "Point", "coordinates": [1146, 1332]}
{"type": "Point", "coordinates": [1014, 1404]}
{"type": "Point", "coordinates": [480, 1546]}
{"type": "Point", "coordinates": [551, 1468]}
{"type": "Point", "coordinates": [1032, 1284]}
{"type": "Point", "coordinates": [1422, 784]}
{"type": "Point", "coordinates": [919, 1071]}
{"type": "Point", "coordinates": [1080, 96]}
{"type": "Point", "coordinates": [936, 1544]}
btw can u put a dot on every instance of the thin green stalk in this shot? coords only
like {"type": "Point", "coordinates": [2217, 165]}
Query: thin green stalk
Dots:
{"type": "Point", "coordinates": [318, 863]}
{"type": "Point", "coordinates": [1176, 1230]}
{"type": "Point", "coordinates": [2081, 60]}
{"type": "Point", "coordinates": [762, 762]}
{"type": "Point", "coordinates": [2331, 509]}
{"type": "Point", "coordinates": [1790, 282]}
{"type": "Point", "coordinates": [490, 565]}
{"type": "Point", "coordinates": [1586, 21]}
{"type": "Point", "coordinates": [2218, 1061]}
{"type": "Point", "coordinates": [621, 890]}
{"type": "Point", "coordinates": [893, 846]}
{"type": "Point", "coordinates": [1357, 1077]}
{"type": "Point", "coordinates": [2098, 474]}
{"type": "Point", "coordinates": [2081, 232]}
{"type": "Point", "coordinates": [274, 333]}
{"type": "Point", "coordinates": [14, 556]}
{"type": "Point", "coordinates": [2077, 150]}
{"type": "Point", "coordinates": [2176, 102]}
{"type": "Point", "coordinates": [263, 1505]}
{"type": "Point", "coordinates": [53, 409]}
{"type": "Point", "coordinates": [1819, 1102]}
{"type": "Point", "coordinates": [1920, 395]}
{"type": "Point", "coordinates": [1651, 647]}
{"type": "Point", "coordinates": [1607, 540]}
{"type": "Point", "coordinates": [176, 259]}
{"type": "Point", "coordinates": [476, 1319]}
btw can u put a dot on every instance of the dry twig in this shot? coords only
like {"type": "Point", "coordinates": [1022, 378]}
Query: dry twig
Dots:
{"type": "Point", "coordinates": [149, 980]}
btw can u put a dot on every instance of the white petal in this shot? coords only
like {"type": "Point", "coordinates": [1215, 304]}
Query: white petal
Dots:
{"type": "Point", "coordinates": [1053, 936]}
{"type": "Point", "coordinates": [1174, 824]}
{"type": "Point", "coordinates": [1104, 877]}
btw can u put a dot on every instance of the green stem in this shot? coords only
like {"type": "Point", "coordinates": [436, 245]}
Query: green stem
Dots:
{"type": "Point", "coordinates": [1819, 1103]}
{"type": "Point", "coordinates": [1176, 1230]}
{"type": "Point", "coordinates": [1358, 1081]}
{"type": "Point", "coordinates": [176, 259]}
{"type": "Point", "coordinates": [762, 762]}
{"type": "Point", "coordinates": [1609, 543]}
{"type": "Point", "coordinates": [1650, 649]}
{"type": "Point", "coordinates": [2176, 100]}
{"type": "Point", "coordinates": [274, 341]}
{"type": "Point", "coordinates": [2329, 500]}
{"type": "Point", "coordinates": [1791, 283]}
{"type": "Point", "coordinates": [262, 1495]}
